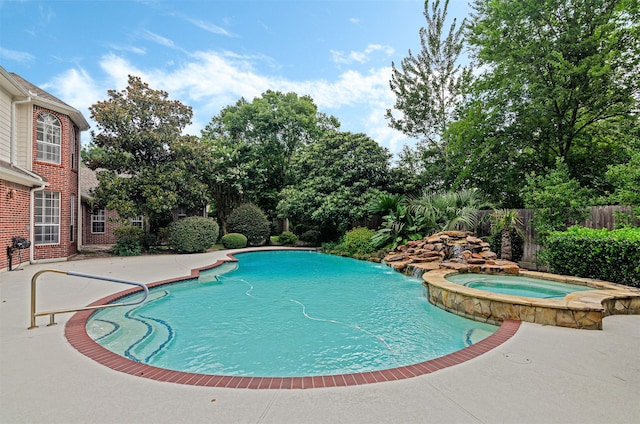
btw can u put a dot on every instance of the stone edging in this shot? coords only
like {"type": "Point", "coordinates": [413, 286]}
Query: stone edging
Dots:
{"type": "Point", "coordinates": [583, 310]}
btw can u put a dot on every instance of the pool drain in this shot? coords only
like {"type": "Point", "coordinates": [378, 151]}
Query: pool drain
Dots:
{"type": "Point", "coordinates": [518, 359]}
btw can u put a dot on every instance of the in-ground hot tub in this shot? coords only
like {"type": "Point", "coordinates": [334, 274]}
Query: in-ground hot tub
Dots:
{"type": "Point", "coordinates": [517, 285]}
{"type": "Point", "coordinates": [584, 307]}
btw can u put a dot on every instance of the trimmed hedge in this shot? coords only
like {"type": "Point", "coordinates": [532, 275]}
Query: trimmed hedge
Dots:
{"type": "Point", "coordinates": [602, 254]}
{"type": "Point", "coordinates": [234, 241]}
{"type": "Point", "coordinates": [193, 234]}
{"type": "Point", "coordinates": [248, 219]}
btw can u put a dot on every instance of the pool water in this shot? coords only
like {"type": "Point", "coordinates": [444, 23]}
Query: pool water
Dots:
{"type": "Point", "coordinates": [286, 314]}
{"type": "Point", "coordinates": [517, 285]}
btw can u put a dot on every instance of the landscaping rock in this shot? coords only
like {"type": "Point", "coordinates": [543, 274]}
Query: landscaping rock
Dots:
{"type": "Point", "coordinates": [459, 250]}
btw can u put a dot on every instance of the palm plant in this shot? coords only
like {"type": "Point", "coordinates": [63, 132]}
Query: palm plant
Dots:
{"type": "Point", "coordinates": [415, 217]}
{"type": "Point", "coordinates": [386, 203]}
{"type": "Point", "coordinates": [504, 221]}
{"type": "Point", "coordinates": [451, 210]}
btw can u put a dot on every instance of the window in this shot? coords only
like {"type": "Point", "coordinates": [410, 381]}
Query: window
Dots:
{"type": "Point", "coordinates": [48, 138]}
{"type": "Point", "coordinates": [72, 225]}
{"type": "Point", "coordinates": [97, 221]}
{"type": "Point", "coordinates": [74, 150]}
{"type": "Point", "coordinates": [47, 217]}
{"type": "Point", "coordinates": [137, 221]}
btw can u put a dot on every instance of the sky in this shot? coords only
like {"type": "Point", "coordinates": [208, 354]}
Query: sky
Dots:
{"type": "Point", "coordinates": [209, 54]}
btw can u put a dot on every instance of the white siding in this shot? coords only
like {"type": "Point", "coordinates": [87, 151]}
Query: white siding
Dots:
{"type": "Point", "coordinates": [5, 126]}
{"type": "Point", "coordinates": [24, 135]}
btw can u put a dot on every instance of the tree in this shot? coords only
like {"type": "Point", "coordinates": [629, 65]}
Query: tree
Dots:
{"type": "Point", "coordinates": [232, 170]}
{"type": "Point", "coordinates": [428, 88]}
{"type": "Point", "coordinates": [270, 129]}
{"type": "Point", "coordinates": [134, 151]}
{"type": "Point", "coordinates": [338, 178]}
{"type": "Point", "coordinates": [556, 73]}
{"type": "Point", "coordinates": [558, 199]}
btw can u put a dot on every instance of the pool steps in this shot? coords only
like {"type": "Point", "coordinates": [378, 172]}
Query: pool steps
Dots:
{"type": "Point", "coordinates": [151, 335]}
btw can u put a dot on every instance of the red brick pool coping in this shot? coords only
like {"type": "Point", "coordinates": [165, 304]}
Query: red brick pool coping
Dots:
{"type": "Point", "coordinates": [76, 334]}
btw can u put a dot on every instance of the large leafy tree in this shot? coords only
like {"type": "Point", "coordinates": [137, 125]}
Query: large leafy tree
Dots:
{"type": "Point", "coordinates": [428, 87]}
{"type": "Point", "coordinates": [234, 171]}
{"type": "Point", "coordinates": [338, 177]}
{"type": "Point", "coordinates": [272, 127]}
{"type": "Point", "coordinates": [560, 81]}
{"type": "Point", "coordinates": [136, 152]}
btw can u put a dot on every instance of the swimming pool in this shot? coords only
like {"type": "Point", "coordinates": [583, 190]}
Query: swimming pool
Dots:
{"type": "Point", "coordinates": [517, 285]}
{"type": "Point", "coordinates": [285, 314]}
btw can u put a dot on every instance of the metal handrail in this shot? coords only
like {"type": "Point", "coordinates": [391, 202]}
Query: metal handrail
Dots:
{"type": "Point", "coordinates": [52, 314]}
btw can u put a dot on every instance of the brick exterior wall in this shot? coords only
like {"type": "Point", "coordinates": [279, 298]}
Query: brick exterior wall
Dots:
{"type": "Point", "coordinates": [62, 178]}
{"type": "Point", "coordinates": [14, 216]}
{"type": "Point", "coordinates": [110, 224]}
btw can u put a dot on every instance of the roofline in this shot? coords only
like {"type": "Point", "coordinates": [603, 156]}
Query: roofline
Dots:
{"type": "Point", "coordinates": [21, 90]}
{"type": "Point", "coordinates": [18, 177]}
{"type": "Point", "coordinates": [75, 114]}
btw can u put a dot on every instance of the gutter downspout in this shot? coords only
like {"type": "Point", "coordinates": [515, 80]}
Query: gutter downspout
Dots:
{"type": "Point", "coordinates": [14, 164]}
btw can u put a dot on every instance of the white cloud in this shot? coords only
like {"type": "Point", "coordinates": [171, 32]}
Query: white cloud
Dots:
{"type": "Point", "coordinates": [207, 26]}
{"type": "Point", "coordinates": [211, 80]}
{"type": "Point", "coordinates": [131, 49]}
{"type": "Point", "coordinates": [364, 56]}
{"type": "Point", "coordinates": [158, 39]}
{"type": "Point", "coordinates": [16, 56]}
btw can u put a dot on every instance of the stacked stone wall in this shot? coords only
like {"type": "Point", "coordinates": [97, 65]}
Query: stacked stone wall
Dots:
{"type": "Point", "coordinates": [458, 250]}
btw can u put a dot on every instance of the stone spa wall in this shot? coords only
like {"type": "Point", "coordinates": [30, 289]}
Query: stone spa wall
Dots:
{"type": "Point", "coordinates": [451, 252]}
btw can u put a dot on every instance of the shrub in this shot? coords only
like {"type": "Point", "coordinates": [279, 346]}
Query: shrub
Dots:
{"type": "Point", "coordinates": [127, 247]}
{"type": "Point", "coordinates": [356, 244]}
{"type": "Point", "coordinates": [248, 219]}
{"type": "Point", "coordinates": [287, 237]}
{"type": "Point", "coordinates": [602, 254]}
{"type": "Point", "coordinates": [234, 241]}
{"type": "Point", "coordinates": [193, 234]}
{"type": "Point", "coordinates": [129, 241]}
{"type": "Point", "coordinates": [312, 237]}
{"type": "Point", "coordinates": [128, 231]}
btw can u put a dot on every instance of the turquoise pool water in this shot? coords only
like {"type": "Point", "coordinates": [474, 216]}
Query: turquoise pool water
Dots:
{"type": "Point", "coordinates": [517, 285]}
{"type": "Point", "coordinates": [286, 314]}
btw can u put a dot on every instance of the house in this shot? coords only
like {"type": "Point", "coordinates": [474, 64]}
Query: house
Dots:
{"type": "Point", "coordinates": [98, 224]}
{"type": "Point", "coordinates": [39, 174]}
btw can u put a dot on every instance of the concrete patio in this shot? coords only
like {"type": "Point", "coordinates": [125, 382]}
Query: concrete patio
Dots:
{"type": "Point", "coordinates": [541, 375]}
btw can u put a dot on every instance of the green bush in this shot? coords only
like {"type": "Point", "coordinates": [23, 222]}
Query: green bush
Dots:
{"type": "Point", "coordinates": [287, 237]}
{"type": "Point", "coordinates": [312, 237]}
{"type": "Point", "coordinates": [129, 231]}
{"type": "Point", "coordinates": [234, 241]}
{"type": "Point", "coordinates": [127, 247]}
{"type": "Point", "coordinates": [355, 243]}
{"type": "Point", "coordinates": [193, 234]}
{"type": "Point", "coordinates": [602, 254]}
{"type": "Point", "coordinates": [129, 241]}
{"type": "Point", "coordinates": [248, 219]}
